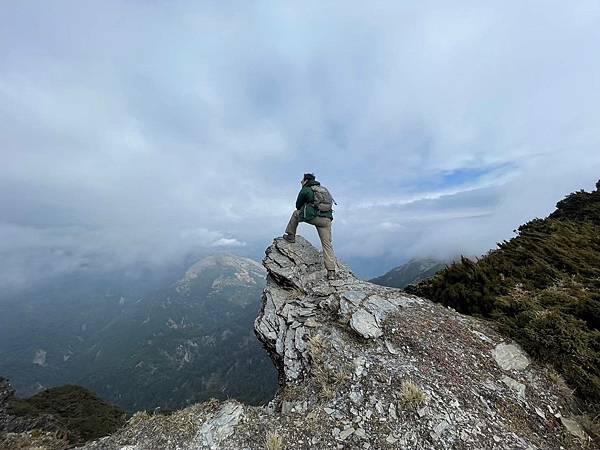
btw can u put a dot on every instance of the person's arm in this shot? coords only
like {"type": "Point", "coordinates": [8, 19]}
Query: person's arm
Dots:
{"type": "Point", "coordinates": [302, 198]}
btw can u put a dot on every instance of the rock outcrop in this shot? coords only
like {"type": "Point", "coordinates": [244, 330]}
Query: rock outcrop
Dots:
{"type": "Point", "coordinates": [367, 367]}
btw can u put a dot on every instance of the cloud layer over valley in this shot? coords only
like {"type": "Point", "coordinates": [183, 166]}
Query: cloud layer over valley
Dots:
{"type": "Point", "coordinates": [137, 132]}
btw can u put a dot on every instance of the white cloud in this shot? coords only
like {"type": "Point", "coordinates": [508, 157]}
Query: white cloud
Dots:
{"type": "Point", "coordinates": [138, 123]}
{"type": "Point", "coordinates": [228, 242]}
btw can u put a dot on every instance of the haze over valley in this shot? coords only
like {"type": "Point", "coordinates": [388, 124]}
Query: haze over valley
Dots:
{"type": "Point", "coordinates": [143, 346]}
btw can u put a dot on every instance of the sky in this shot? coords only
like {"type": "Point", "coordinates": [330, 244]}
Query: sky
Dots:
{"type": "Point", "coordinates": [138, 132]}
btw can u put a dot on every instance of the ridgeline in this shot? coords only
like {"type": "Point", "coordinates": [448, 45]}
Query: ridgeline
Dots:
{"type": "Point", "coordinates": [542, 288]}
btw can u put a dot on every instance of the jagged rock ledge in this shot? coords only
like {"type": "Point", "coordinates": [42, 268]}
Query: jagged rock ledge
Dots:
{"type": "Point", "coordinates": [299, 302]}
{"type": "Point", "coordinates": [367, 367]}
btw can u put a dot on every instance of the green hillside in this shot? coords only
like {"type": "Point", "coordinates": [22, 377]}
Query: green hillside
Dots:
{"type": "Point", "coordinates": [77, 414]}
{"type": "Point", "coordinates": [186, 341]}
{"type": "Point", "coordinates": [543, 289]}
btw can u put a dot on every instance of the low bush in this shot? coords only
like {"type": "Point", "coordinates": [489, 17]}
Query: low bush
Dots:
{"type": "Point", "coordinates": [543, 289]}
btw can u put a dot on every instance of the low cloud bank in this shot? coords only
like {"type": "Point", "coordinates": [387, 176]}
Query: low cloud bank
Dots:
{"type": "Point", "coordinates": [138, 133]}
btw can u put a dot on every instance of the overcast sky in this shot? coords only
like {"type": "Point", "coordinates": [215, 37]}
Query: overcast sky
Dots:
{"type": "Point", "coordinates": [139, 131]}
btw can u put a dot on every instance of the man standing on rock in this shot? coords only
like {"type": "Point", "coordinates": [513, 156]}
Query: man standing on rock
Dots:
{"type": "Point", "coordinates": [314, 205]}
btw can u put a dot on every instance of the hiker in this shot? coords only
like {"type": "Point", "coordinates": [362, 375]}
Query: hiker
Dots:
{"type": "Point", "coordinates": [314, 206]}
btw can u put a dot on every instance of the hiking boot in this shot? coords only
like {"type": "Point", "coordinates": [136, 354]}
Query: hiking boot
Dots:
{"type": "Point", "coordinates": [289, 237]}
{"type": "Point", "coordinates": [331, 275]}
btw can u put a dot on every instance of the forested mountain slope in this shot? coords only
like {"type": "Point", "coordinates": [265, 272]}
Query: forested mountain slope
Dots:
{"type": "Point", "coordinates": [410, 272]}
{"type": "Point", "coordinates": [542, 287]}
{"type": "Point", "coordinates": [184, 342]}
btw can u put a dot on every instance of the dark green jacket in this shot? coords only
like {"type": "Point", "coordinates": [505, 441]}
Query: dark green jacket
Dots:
{"type": "Point", "coordinates": [305, 204]}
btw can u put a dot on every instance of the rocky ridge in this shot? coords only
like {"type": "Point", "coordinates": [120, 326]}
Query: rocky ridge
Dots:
{"type": "Point", "coordinates": [245, 271]}
{"type": "Point", "coordinates": [362, 366]}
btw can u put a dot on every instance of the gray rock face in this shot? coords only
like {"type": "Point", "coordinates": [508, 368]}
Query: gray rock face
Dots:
{"type": "Point", "coordinates": [517, 387]}
{"type": "Point", "coordinates": [298, 291]}
{"type": "Point", "coordinates": [367, 367]}
{"type": "Point", "coordinates": [510, 357]}
{"type": "Point", "coordinates": [364, 323]}
{"type": "Point", "coordinates": [220, 427]}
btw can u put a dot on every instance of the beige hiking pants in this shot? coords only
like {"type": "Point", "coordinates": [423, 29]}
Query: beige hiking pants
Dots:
{"type": "Point", "coordinates": [323, 225]}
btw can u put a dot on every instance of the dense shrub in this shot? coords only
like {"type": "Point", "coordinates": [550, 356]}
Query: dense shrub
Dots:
{"type": "Point", "coordinates": [82, 415]}
{"type": "Point", "coordinates": [543, 289]}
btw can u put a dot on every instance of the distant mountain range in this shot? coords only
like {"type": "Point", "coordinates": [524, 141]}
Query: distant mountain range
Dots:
{"type": "Point", "coordinates": [413, 271]}
{"type": "Point", "coordinates": [183, 343]}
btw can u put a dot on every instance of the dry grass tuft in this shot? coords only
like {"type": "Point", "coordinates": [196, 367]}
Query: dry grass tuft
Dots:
{"type": "Point", "coordinates": [595, 427]}
{"type": "Point", "coordinates": [36, 439]}
{"type": "Point", "coordinates": [592, 426]}
{"type": "Point", "coordinates": [327, 377]}
{"type": "Point", "coordinates": [318, 347]}
{"type": "Point", "coordinates": [291, 392]}
{"type": "Point", "coordinates": [273, 441]}
{"type": "Point", "coordinates": [327, 392]}
{"type": "Point", "coordinates": [341, 376]}
{"type": "Point", "coordinates": [139, 416]}
{"type": "Point", "coordinates": [412, 394]}
{"type": "Point", "coordinates": [560, 383]}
